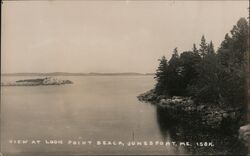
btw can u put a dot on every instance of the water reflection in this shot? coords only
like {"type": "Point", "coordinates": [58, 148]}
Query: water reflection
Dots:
{"type": "Point", "coordinates": [173, 129]}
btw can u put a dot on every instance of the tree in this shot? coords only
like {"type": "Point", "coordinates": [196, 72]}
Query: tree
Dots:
{"type": "Point", "coordinates": [231, 55]}
{"type": "Point", "coordinates": [161, 77]}
{"type": "Point", "coordinates": [210, 78]}
{"type": "Point", "coordinates": [222, 77]}
{"type": "Point", "coordinates": [210, 50]}
{"type": "Point", "coordinates": [189, 61]}
{"type": "Point", "coordinates": [207, 76]}
{"type": "Point", "coordinates": [224, 55]}
{"type": "Point", "coordinates": [233, 49]}
{"type": "Point", "coordinates": [239, 36]}
{"type": "Point", "coordinates": [174, 72]}
{"type": "Point", "coordinates": [195, 50]}
{"type": "Point", "coordinates": [175, 53]}
{"type": "Point", "coordinates": [203, 47]}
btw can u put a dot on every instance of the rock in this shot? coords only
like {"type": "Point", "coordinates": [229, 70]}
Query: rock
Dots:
{"type": "Point", "coordinates": [54, 81]}
{"type": "Point", "coordinates": [149, 96]}
{"type": "Point", "coordinates": [168, 101]}
{"type": "Point", "coordinates": [190, 102]}
{"type": "Point", "coordinates": [67, 82]}
{"type": "Point", "coordinates": [216, 113]}
{"type": "Point", "coordinates": [225, 115]}
{"type": "Point", "coordinates": [177, 99]}
{"type": "Point", "coordinates": [244, 134]}
{"type": "Point", "coordinates": [209, 114]}
{"type": "Point", "coordinates": [163, 102]}
{"type": "Point", "coordinates": [201, 107]}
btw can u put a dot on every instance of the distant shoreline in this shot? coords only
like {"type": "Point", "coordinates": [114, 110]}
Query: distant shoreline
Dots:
{"type": "Point", "coordinates": [76, 74]}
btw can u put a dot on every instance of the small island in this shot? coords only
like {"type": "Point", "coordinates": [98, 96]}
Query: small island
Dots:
{"type": "Point", "coordinates": [38, 82]}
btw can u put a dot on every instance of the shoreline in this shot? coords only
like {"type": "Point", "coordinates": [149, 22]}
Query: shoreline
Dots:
{"type": "Point", "coordinates": [184, 109]}
{"type": "Point", "coordinates": [78, 74]}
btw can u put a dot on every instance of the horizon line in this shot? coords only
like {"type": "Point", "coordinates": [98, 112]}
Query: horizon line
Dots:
{"type": "Point", "coordinates": [78, 73]}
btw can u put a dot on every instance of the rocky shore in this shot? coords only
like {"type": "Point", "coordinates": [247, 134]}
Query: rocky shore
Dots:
{"type": "Point", "coordinates": [185, 109]}
{"type": "Point", "coordinates": [37, 82]}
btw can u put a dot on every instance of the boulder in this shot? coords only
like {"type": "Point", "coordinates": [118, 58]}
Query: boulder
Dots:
{"type": "Point", "coordinates": [163, 102]}
{"type": "Point", "coordinates": [244, 134]}
{"type": "Point", "coordinates": [225, 115]}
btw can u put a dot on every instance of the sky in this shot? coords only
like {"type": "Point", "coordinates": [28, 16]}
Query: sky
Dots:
{"type": "Point", "coordinates": [108, 36]}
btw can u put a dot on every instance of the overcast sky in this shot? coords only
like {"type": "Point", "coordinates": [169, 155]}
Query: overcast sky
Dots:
{"type": "Point", "coordinates": [109, 36]}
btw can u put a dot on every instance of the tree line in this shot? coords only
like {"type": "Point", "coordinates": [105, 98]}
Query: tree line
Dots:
{"type": "Point", "coordinates": [208, 76]}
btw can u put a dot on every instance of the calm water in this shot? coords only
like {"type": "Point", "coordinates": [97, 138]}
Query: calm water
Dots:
{"type": "Point", "coordinates": [94, 108]}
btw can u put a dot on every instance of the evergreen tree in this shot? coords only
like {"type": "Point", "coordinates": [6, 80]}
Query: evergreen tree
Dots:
{"type": "Point", "coordinates": [208, 77]}
{"type": "Point", "coordinates": [161, 77]}
{"type": "Point", "coordinates": [231, 55]}
{"type": "Point", "coordinates": [209, 82]}
{"type": "Point", "coordinates": [239, 36]}
{"type": "Point", "coordinates": [233, 49]}
{"type": "Point", "coordinates": [175, 53]}
{"type": "Point", "coordinates": [211, 48]}
{"type": "Point", "coordinates": [222, 77]}
{"type": "Point", "coordinates": [224, 51]}
{"type": "Point", "coordinates": [195, 50]}
{"type": "Point", "coordinates": [189, 62]}
{"type": "Point", "coordinates": [174, 73]}
{"type": "Point", "coordinates": [203, 47]}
